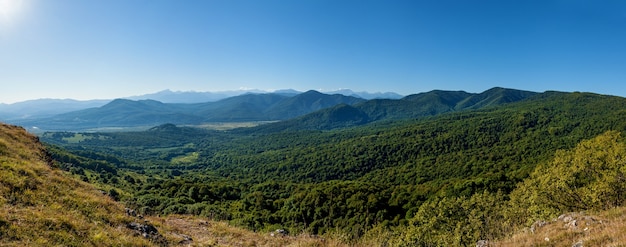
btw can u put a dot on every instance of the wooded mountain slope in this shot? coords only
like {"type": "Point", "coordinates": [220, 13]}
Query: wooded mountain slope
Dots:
{"type": "Point", "coordinates": [387, 176]}
{"type": "Point", "coordinates": [414, 106]}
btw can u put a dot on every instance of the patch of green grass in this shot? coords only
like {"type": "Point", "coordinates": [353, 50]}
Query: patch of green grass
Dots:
{"type": "Point", "coordinates": [229, 125]}
{"type": "Point", "coordinates": [185, 159]}
{"type": "Point", "coordinates": [77, 138]}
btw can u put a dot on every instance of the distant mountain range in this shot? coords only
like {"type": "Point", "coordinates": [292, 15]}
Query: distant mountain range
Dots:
{"type": "Point", "coordinates": [308, 110]}
{"type": "Point", "coordinates": [410, 107]}
{"type": "Point", "coordinates": [242, 108]}
{"type": "Point", "coordinates": [168, 96]}
{"type": "Point", "coordinates": [39, 108]}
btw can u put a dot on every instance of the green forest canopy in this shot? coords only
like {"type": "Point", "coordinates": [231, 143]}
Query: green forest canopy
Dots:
{"type": "Point", "coordinates": [398, 175]}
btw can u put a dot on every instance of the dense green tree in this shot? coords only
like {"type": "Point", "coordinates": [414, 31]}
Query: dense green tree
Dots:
{"type": "Point", "coordinates": [590, 176]}
{"type": "Point", "coordinates": [456, 221]}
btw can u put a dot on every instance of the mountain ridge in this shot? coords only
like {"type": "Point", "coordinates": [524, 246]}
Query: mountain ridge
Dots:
{"type": "Point", "coordinates": [246, 107]}
{"type": "Point", "coordinates": [413, 106]}
{"type": "Point", "coordinates": [38, 108]}
{"type": "Point", "coordinates": [293, 109]}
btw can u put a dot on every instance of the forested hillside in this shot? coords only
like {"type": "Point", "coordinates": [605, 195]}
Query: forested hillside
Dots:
{"type": "Point", "coordinates": [41, 205]}
{"type": "Point", "coordinates": [449, 179]}
{"type": "Point", "coordinates": [414, 106]}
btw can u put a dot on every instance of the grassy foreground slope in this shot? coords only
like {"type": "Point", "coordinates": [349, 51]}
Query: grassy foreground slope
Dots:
{"type": "Point", "coordinates": [41, 205]}
{"type": "Point", "coordinates": [604, 228]}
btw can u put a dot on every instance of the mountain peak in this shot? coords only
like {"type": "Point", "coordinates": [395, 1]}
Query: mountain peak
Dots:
{"type": "Point", "coordinates": [312, 92]}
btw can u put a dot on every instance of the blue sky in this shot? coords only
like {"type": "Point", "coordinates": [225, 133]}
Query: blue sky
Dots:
{"type": "Point", "coordinates": [102, 49]}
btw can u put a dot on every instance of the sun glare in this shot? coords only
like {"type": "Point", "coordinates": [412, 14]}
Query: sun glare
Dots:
{"type": "Point", "coordinates": [10, 10]}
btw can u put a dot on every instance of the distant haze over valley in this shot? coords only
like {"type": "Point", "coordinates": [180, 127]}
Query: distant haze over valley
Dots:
{"type": "Point", "coordinates": [168, 96]}
{"type": "Point", "coordinates": [290, 109]}
{"type": "Point", "coordinates": [37, 108]}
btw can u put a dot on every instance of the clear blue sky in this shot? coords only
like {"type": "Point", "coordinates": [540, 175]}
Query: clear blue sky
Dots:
{"type": "Point", "coordinates": [86, 49]}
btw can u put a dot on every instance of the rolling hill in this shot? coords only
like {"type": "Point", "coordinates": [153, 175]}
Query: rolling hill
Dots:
{"type": "Point", "coordinates": [410, 107]}
{"type": "Point", "coordinates": [44, 108]}
{"type": "Point", "coordinates": [451, 179]}
{"type": "Point", "coordinates": [148, 113]}
{"type": "Point", "coordinates": [275, 107]}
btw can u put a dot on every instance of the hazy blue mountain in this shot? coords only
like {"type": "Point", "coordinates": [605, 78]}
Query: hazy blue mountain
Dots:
{"type": "Point", "coordinates": [242, 108]}
{"type": "Point", "coordinates": [307, 102]}
{"type": "Point", "coordinates": [189, 97]}
{"type": "Point", "coordinates": [44, 107]}
{"type": "Point", "coordinates": [287, 92]}
{"type": "Point", "coordinates": [41, 108]}
{"type": "Point", "coordinates": [117, 113]}
{"type": "Point", "coordinates": [247, 107]}
{"type": "Point", "coordinates": [324, 111]}
{"type": "Point", "coordinates": [168, 96]}
{"type": "Point", "coordinates": [367, 95]}
{"type": "Point", "coordinates": [271, 106]}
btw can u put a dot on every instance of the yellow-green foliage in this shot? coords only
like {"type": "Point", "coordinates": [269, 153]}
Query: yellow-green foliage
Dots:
{"type": "Point", "coordinates": [185, 159]}
{"type": "Point", "coordinates": [587, 177]}
{"type": "Point", "coordinates": [39, 206]}
{"type": "Point", "coordinates": [591, 176]}
{"type": "Point", "coordinates": [455, 221]}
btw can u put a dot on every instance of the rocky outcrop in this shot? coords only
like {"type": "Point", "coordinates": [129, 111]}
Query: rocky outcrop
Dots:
{"type": "Point", "coordinates": [148, 231]}
{"type": "Point", "coordinates": [482, 243]}
{"type": "Point", "coordinates": [538, 224]}
{"type": "Point", "coordinates": [577, 225]}
{"type": "Point", "coordinates": [279, 233]}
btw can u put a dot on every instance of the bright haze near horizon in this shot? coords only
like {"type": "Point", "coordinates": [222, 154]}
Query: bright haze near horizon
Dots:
{"type": "Point", "coordinates": [103, 49]}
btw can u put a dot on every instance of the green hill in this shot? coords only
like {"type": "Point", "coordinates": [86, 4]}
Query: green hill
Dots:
{"type": "Point", "coordinates": [428, 181]}
{"type": "Point", "coordinates": [414, 106]}
{"type": "Point", "coordinates": [146, 113]}
{"type": "Point", "coordinates": [308, 102]}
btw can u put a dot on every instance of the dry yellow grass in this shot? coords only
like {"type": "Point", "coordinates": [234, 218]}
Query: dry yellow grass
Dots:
{"type": "Point", "coordinates": [41, 206]}
{"type": "Point", "coordinates": [606, 228]}
{"type": "Point", "coordinates": [215, 233]}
